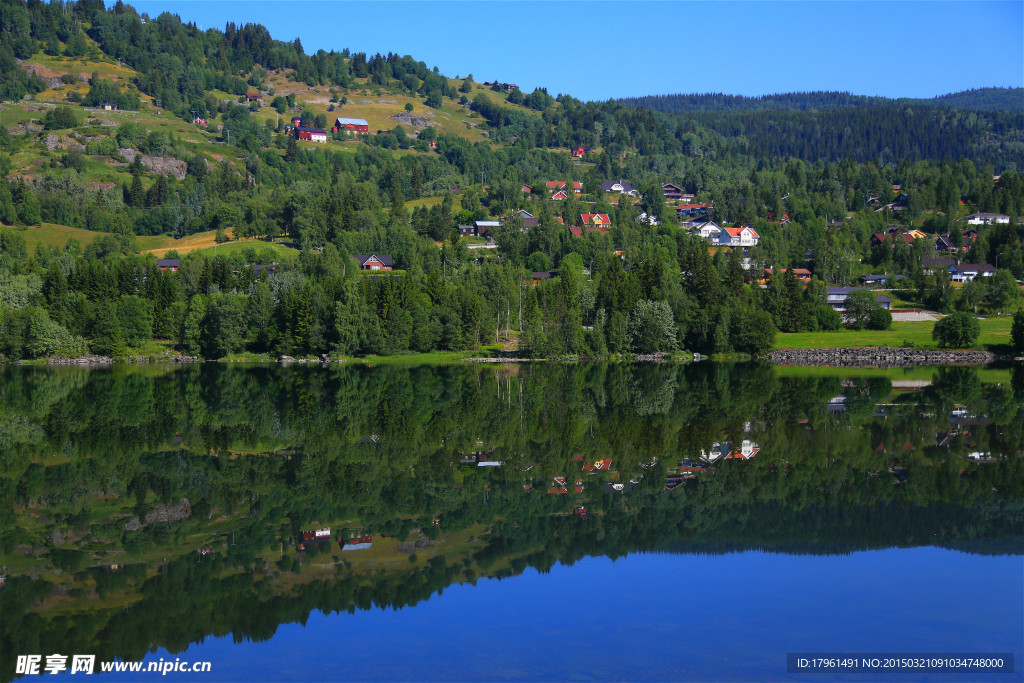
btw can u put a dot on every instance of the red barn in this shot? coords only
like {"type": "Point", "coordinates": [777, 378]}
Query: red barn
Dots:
{"type": "Point", "coordinates": [353, 125]}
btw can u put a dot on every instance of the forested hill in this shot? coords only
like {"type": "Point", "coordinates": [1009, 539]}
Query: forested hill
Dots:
{"type": "Point", "coordinates": [977, 99]}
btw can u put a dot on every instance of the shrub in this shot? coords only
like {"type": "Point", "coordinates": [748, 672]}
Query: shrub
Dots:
{"type": "Point", "coordinates": [879, 319]}
{"type": "Point", "coordinates": [958, 330]}
{"type": "Point", "coordinates": [60, 117]}
{"type": "Point", "coordinates": [1017, 332]}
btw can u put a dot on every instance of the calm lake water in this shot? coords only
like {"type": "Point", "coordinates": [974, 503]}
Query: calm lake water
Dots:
{"type": "Point", "coordinates": [534, 522]}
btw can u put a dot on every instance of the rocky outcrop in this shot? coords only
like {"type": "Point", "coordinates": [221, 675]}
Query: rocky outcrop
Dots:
{"type": "Point", "coordinates": [414, 546]}
{"type": "Point", "coordinates": [882, 357]}
{"type": "Point", "coordinates": [158, 165]}
{"type": "Point", "coordinates": [170, 513]}
{"type": "Point", "coordinates": [411, 119]}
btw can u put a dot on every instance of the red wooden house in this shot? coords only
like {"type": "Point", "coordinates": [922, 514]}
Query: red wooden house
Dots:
{"type": "Point", "coordinates": [311, 134]}
{"type": "Point", "coordinates": [374, 261]}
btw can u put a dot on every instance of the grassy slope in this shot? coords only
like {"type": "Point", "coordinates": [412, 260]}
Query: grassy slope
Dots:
{"type": "Point", "coordinates": [56, 236]}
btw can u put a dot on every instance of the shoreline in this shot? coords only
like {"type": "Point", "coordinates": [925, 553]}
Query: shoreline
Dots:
{"type": "Point", "coordinates": [883, 357]}
{"type": "Point", "coordinates": [859, 356]}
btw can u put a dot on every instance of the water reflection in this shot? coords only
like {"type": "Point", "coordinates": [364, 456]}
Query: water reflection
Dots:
{"type": "Point", "coordinates": [157, 506]}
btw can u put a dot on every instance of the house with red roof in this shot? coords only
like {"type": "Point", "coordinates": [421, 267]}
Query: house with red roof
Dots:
{"type": "Point", "coordinates": [555, 185]}
{"type": "Point", "coordinates": [738, 237]}
{"type": "Point", "coordinates": [591, 222]}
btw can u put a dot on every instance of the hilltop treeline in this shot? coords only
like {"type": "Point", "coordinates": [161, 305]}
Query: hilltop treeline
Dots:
{"type": "Point", "coordinates": [978, 99]}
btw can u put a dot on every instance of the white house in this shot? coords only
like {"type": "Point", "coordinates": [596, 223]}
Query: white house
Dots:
{"type": "Point", "coordinates": [708, 230]}
{"type": "Point", "coordinates": [618, 186]}
{"type": "Point", "coordinates": [738, 237]}
{"type": "Point", "coordinates": [987, 218]}
{"type": "Point", "coordinates": [962, 272]}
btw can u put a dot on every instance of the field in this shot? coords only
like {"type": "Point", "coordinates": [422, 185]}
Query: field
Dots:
{"type": "Point", "coordinates": [994, 332]}
{"type": "Point", "coordinates": [56, 236]}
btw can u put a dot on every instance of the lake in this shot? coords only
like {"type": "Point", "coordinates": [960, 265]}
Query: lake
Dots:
{"type": "Point", "coordinates": [528, 522]}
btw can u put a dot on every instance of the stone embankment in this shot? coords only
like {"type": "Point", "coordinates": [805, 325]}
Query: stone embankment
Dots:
{"type": "Point", "coordinates": [91, 359]}
{"type": "Point", "coordinates": [87, 359]}
{"type": "Point", "coordinates": [880, 357]}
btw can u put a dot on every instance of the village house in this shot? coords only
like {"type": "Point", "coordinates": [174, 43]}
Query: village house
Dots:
{"type": "Point", "coordinates": [533, 222]}
{"type": "Point", "coordinates": [580, 151]}
{"type": "Point", "coordinates": [374, 261]}
{"type": "Point", "coordinates": [556, 186]}
{"type": "Point", "coordinates": [577, 230]}
{"type": "Point", "coordinates": [692, 209]}
{"type": "Point", "coordinates": [737, 237]}
{"type": "Point", "coordinates": [836, 297]}
{"type": "Point", "coordinates": [619, 186]}
{"type": "Point", "coordinates": [871, 280]}
{"type": "Point", "coordinates": [708, 230]}
{"type": "Point", "coordinates": [591, 221]}
{"type": "Point", "coordinates": [672, 191]}
{"type": "Point", "coordinates": [747, 450]}
{"type": "Point", "coordinates": [987, 219]}
{"type": "Point", "coordinates": [107, 106]}
{"type": "Point", "coordinates": [311, 134]}
{"type": "Point", "coordinates": [171, 264]}
{"type": "Point", "coordinates": [254, 98]}
{"type": "Point", "coordinates": [358, 543]}
{"type": "Point", "coordinates": [536, 277]}
{"type": "Point", "coordinates": [801, 274]}
{"type": "Point", "coordinates": [929, 265]}
{"type": "Point", "coordinates": [878, 238]}
{"type": "Point", "coordinates": [351, 125]}
{"type": "Point", "coordinates": [963, 272]}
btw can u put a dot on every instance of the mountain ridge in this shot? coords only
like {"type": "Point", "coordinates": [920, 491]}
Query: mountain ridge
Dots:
{"type": "Point", "coordinates": [1007, 99]}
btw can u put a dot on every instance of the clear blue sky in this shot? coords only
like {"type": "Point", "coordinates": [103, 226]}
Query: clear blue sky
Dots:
{"type": "Point", "coordinates": [598, 50]}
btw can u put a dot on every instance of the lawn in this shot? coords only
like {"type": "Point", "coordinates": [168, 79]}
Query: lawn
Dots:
{"type": "Point", "coordinates": [205, 242]}
{"type": "Point", "coordinates": [985, 374]}
{"type": "Point", "coordinates": [994, 332]}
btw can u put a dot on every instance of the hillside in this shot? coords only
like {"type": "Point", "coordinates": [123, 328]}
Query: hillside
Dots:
{"type": "Point", "coordinates": [215, 147]}
{"type": "Point", "coordinates": [979, 99]}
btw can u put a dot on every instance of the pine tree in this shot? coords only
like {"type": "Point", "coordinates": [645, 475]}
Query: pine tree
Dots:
{"type": "Point", "coordinates": [137, 195]}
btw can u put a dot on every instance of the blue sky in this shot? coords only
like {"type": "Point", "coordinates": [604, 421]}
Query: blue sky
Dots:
{"type": "Point", "coordinates": [598, 50]}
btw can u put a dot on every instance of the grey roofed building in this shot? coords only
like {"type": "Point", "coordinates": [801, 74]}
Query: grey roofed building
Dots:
{"type": "Point", "coordinates": [383, 259]}
{"type": "Point", "coordinates": [836, 297]}
{"type": "Point", "coordinates": [619, 186]}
